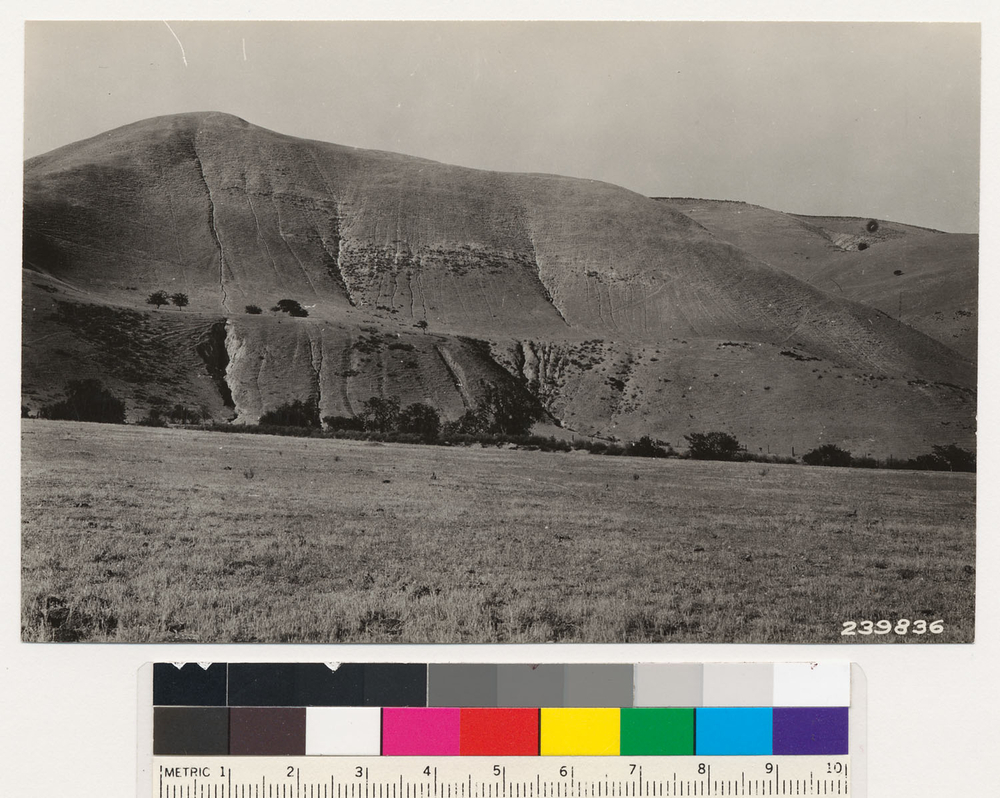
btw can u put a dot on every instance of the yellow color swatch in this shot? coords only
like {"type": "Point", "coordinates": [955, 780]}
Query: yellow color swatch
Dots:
{"type": "Point", "coordinates": [569, 731]}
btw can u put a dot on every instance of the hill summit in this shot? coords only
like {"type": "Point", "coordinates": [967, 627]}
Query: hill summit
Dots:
{"type": "Point", "coordinates": [623, 314]}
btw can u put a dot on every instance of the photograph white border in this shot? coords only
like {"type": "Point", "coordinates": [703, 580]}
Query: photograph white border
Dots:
{"type": "Point", "coordinates": [68, 713]}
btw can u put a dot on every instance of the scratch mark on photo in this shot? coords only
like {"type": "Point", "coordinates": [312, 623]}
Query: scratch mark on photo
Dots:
{"type": "Point", "coordinates": [183, 56]}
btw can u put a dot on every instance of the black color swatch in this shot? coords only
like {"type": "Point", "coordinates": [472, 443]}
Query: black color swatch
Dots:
{"type": "Point", "coordinates": [190, 731]}
{"type": "Point", "coordinates": [395, 685]}
{"type": "Point", "coordinates": [190, 685]}
{"type": "Point", "coordinates": [262, 684]}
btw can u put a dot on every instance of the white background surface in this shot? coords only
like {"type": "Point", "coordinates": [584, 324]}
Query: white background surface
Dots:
{"type": "Point", "coordinates": [68, 712]}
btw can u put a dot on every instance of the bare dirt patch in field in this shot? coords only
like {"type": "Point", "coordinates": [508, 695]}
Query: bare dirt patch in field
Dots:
{"type": "Point", "coordinates": [136, 534]}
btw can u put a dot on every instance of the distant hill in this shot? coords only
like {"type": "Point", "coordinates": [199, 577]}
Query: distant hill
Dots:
{"type": "Point", "coordinates": [625, 315]}
{"type": "Point", "coordinates": [925, 278]}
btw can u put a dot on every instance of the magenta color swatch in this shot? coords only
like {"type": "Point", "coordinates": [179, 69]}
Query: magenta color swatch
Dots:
{"type": "Point", "coordinates": [425, 731]}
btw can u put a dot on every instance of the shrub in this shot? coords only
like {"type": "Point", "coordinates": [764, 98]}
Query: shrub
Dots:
{"type": "Point", "coordinates": [158, 298]}
{"type": "Point", "coordinates": [340, 423]}
{"type": "Point", "coordinates": [645, 447]}
{"type": "Point", "coordinates": [154, 418]}
{"type": "Point", "coordinates": [712, 446]}
{"type": "Point", "coordinates": [828, 454]}
{"type": "Point", "coordinates": [292, 414]}
{"type": "Point", "coordinates": [420, 419]}
{"type": "Point", "coordinates": [254, 310]}
{"type": "Point", "coordinates": [422, 324]}
{"type": "Point", "coordinates": [471, 422]}
{"type": "Point", "coordinates": [87, 400]}
{"type": "Point", "coordinates": [183, 415]}
{"type": "Point", "coordinates": [180, 300]}
{"type": "Point", "coordinates": [291, 307]}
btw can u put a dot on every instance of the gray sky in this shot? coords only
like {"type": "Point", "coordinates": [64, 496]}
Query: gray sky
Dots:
{"type": "Point", "coordinates": [861, 119]}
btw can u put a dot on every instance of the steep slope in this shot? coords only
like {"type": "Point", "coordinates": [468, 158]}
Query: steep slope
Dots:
{"type": "Point", "coordinates": [405, 264]}
{"type": "Point", "coordinates": [925, 278]}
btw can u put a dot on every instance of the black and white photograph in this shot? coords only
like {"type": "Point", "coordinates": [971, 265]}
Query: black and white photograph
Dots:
{"type": "Point", "coordinates": [499, 332]}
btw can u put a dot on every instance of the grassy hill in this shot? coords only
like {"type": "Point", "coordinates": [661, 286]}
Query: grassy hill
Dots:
{"type": "Point", "coordinates": [626, 315]}
{"type": "Point", "coordinates": [925, 278]}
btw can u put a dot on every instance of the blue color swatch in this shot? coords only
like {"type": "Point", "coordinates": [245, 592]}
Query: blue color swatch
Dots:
{"type": "Point", "coordinates": [733, 731]}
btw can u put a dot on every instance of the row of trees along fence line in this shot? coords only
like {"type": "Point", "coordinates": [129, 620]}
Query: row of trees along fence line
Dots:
{"type": "Point", "coordinates": [504, 411]}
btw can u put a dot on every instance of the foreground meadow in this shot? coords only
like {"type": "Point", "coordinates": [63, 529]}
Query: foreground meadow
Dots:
{"type": "Point", "coordinates": [135, 534]}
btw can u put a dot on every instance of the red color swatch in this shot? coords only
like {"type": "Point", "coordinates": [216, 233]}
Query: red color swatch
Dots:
{"type": "Point", "coordinates": [499, 732]}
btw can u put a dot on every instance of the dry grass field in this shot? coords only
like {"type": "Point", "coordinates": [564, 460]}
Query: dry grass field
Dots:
{"type": "Point", "coordinates": [148, 535]}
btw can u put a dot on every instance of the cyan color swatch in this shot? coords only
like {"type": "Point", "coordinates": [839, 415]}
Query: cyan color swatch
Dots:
{"type": "Point", "coordinates": [733, 731]}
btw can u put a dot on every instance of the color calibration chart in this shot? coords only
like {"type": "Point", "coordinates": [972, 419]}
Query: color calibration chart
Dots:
{"type": "Point", "coordinates": [414, 730]}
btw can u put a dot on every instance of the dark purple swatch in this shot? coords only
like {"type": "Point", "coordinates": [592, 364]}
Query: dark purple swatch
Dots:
{"type": "Point", "coordinates": [267, 731]}
{"type": "Point", "coordinates": [810, 730]}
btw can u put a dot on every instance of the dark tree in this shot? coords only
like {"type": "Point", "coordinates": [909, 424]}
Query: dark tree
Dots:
{"type": "Point", "coordinates": [158, 298]}
{"type": "Point", "coordinates": [958, 459]}
{"type": "Point", "coordinates": [471, 422]}
{"type": "Point", "coordinates": [380, 415]}
{"type": "Point", "coordinates": [179, 299]}
{"type": "Point", "coordinates": [292, 414]}
{"type": "Point", "coordinates": [946, 458]}
{"type": "Point", "coordinates": [286, 306]}
{"type": "Point", "coordinates": [712, 446]}
{"type": "Point", "coordinates": [254, 310]}
{"type": "Point", "coordinates": [511, 410]}
{"type": "Point", "coordinates": [828, 454]}
{"type": "Point", "coordinates": [87, 400]}
{"type": "Point", "coordinates": [300, 312]}
{"type": "Point", "coordinates": [420, 419]}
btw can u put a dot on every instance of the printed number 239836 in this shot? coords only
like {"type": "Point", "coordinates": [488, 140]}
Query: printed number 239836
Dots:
{"type": "Point", "coordinates": [900, 627]}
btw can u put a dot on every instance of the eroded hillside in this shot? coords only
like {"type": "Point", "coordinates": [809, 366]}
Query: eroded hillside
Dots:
{"type": "Point", "coordinates": [624, 315]}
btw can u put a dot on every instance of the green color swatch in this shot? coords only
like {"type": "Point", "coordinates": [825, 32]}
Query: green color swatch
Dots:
{"type": "Point", "coordinates": [654, 731]}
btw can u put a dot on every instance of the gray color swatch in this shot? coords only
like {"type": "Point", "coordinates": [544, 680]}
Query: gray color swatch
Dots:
{"type": "Point", "coordinates": [530, 685]}
{"type": "Point", "coordinates": [466, 685]}
{"type": "Point", "coordinates": [598, 685]}
{"type": "Point", "coordinates": [668, 685]}
{"type": "Point", "coordinates": [735, 684]}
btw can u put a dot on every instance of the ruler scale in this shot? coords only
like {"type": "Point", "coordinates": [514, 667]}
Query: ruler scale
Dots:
{"type": "Point", "coordinates": [587, 777]}
{"type": "Point", "coordinates": [501, 731]}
